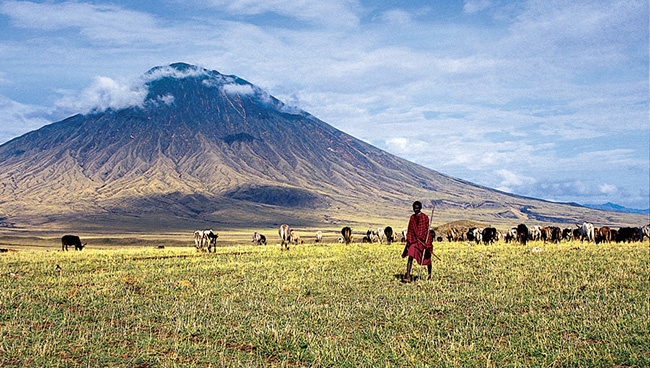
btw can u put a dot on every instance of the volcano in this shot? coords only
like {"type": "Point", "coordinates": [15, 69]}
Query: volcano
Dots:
{"type": "Point", "coordinates": [203, 148]}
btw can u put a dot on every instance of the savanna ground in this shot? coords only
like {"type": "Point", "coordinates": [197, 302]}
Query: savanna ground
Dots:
{"type": "Point", "coordinates": [573, 304]}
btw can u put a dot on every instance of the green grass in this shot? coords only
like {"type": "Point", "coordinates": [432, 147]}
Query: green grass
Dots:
{"type": "Point", "coordinates": [326, 305]}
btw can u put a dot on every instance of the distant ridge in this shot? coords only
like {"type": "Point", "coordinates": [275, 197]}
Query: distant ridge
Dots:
{"type": "Point", "coordinates": [617, 208]}
{"type": "Point", "coordinates": [206, 149]}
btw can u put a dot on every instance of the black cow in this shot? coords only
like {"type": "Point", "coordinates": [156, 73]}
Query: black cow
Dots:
{"type": "Point", "coordinates": [67, 240]}
{"type": "Point", "coordinates": [567, 234]}
{"type": "Point", "coordinates": [628, 234]}
{"type": "Point", "coordinates": [489, 235]}
{"type": "Point", "coordinates": [388, 231]}
{"type": "Point", "coordinates": [522, 233]}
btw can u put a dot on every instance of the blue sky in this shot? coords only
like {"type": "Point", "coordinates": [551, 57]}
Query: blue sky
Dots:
{"type": "Point", "coordinates": [548, 99]}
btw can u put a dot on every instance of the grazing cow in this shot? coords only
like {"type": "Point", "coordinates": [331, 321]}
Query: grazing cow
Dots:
{"type": "Point", "coordinates": [536, 233]}
{"type": "Point", "coordinates": [489, 235]}
{"type": "Point", "coordinates": [285, 235]}
{"type": "Point", "coordinates": [628, 234]}
{"type": "Point", "coordinates": [381, 233]}
{"type": "Point", "coordinates": [210, 238]}
{"type": "Point", "coordinates": [475, 234]}
{"type": "Point", "coordinates": [511, 235]}
{"type": "Point", "coordinates": [341, 240]}
{"type": "Point", "coordinates": [295, 238]}
{"type": "Point", "coordinates": [576, 234]}
{"type": "Point", "coordinates": [614, 234]}
{"type": "Point", "coordinates": [452, 234]}
{"type": "Point", "coordinates": [604, 235]}
{"type": "Point", "coordinates": [403, 239]}
{"type": "Point", "coordinates": [587, 231]}
{"type": "Point", "coordinates": [198, 239]}
{"type": "Point", "coordinates": [567, 234]}
{"type": "Point", "coordinates": [67, 240]}
{"type": "Point", "coordinates": [388, 232]}
{"type": "Point", "coordinates": [371, 236]}
{"type": "Point", "coordinates": [545, 234]}
{"type": "Point", "coordinates": [347, 234]}
{"type": "Point", "coordinates": [556, 234]}
{"type": "Point", "coordinates": [522, 233]}
{"type": "Point", "coordinates": [319, 236]}
{"type": "Point", "coordinates": [258, 238]}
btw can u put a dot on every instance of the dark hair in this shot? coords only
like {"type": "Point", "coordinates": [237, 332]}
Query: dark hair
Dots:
{"type": "Point", "coordinates": [418, 203]}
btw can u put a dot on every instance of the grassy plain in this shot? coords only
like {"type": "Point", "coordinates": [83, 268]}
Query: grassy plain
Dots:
{"type": "Point", "coordinates": [573, 304]}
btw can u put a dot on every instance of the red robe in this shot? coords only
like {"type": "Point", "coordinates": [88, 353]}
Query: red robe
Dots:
{"type": "Point", "coordinates": [416, 236]}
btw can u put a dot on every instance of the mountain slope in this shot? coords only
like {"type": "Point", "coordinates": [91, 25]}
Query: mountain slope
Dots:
{"type": "Point", "coordinates": [203, 147]}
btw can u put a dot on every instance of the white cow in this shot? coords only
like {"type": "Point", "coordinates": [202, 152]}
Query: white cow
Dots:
{"type": "Point", "coordinates": [381, 235]}
{"type": "Point", "coordinates": [535, 233]}
{"type": "Point", "coordinates": [587, 231]}
{"type": "Point", "coordinates": [319, 236]}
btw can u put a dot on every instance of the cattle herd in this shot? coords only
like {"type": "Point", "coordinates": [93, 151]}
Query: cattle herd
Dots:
{"type": "Point", "coordinates": [551, 234]}
{"type": "Point", "coordinates": [489, 235]}
{"type": "Point", "coordinates": [206, 240]}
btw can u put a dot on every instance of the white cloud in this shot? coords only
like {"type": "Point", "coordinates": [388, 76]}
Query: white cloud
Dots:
{"type": "Point", "coordinates": [240, 89]}
{"type": "Point", "coordinates": [100, 23]}
{"type": "Point", "coordinates": [608, 189]}
{"type": "Point", "coordinates": [339, 13]}
{"type": "Point", "coordinates": [168, 71]}
{"type": "Point", "coordinates": [17, 118]}
{"type": "Point", "coordinates": [105, 93]}
{"type": "Point", "coordinates": [511, 181]}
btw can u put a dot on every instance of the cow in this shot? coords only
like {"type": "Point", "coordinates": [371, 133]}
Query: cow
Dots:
{"type": "Point", "coordinates": [388, 232]}
{"type": "Point", "coordinates": [535, 233]}
{"type": "Point", "coordinates": [295, 238]}
{"type": "Point", "coordinates": [452, 234]}
{"type": "Point", "coordinates": [319, 236]}
{"type": "Point", "coordinates": [489, 235]}
{"type": "Point", "coordinates": [567, 234]}
{"type": "Point", "coordinates": [511, 235]}
{"type": "Point", "coordinates": [381, 233]}
{"type": "Point", "coordinates": [475, 234]}
{"type": "Point", "coordinates": [347, 234]}
{"type": "Point", "coordinates": [604, 235]}
{"type": "Point", "coordinates": [645, 232]}
{"type": "Point", "coordinates": [198, 239]}
{"type": "Point", "coordinates": [67, 240]}
{"type": "Point", "coordinates": [576, 234]}
{"type": "Point", "coordinates": [371, 236]}
{"type": "Point", "coordinates": [556, 234]}
{"type": "Point", "coordinates": [285, 235]}
{"type": "Point", "coordinates": [210, 238]}
{"type": "Point", "coordinates": [522, 233]}
{"type": "Point", "coordinates": [258, 238]}
{"type": "Point", "coordinates": [545, 233]}
{"type": "Point", "coordinates": [628, 234]}
{"type": "Point", "coordinates": [614, 234]}
{"type": "Point", "coordinates": [587, 231]}
{"type": "Point", "coordinates": [403, 238]}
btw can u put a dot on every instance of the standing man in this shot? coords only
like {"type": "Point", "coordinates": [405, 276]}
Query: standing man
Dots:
{"type": "Point", "coordinates": [419, 244]}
